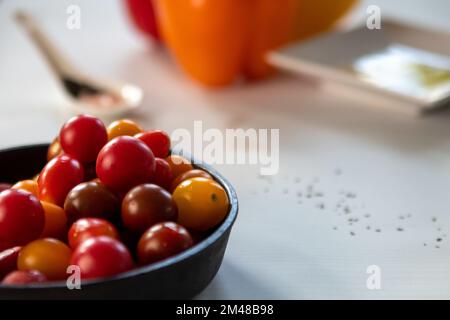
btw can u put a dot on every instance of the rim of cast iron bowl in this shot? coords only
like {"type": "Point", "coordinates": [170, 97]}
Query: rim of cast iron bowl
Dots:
{"type": "Point", "coordinates": [202, 245]}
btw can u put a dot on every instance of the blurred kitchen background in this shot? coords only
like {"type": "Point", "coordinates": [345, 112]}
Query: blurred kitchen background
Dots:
{"type": "Point", "coordinates": [379, 180]}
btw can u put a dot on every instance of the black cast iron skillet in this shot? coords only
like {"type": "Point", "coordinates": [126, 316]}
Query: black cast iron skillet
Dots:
{"type": "Point", "coordinates": [180, 277]}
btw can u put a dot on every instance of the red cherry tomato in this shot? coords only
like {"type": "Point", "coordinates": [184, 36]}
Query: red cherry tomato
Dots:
{"type": "Point", "coordinates": [101, 257]}
{"type": "Point", "coordinates": [24, 277]}
{"type": "Point", "coordinates": [162, 241]}
{"type": "Point", "coordinates": [22, 217]}
{"type": "Point", "coordinates": [87, 228]}
{"type": "Point", "coordinates": [82, 137]}
{"type": "Point", "coordinates": [124, 163]}
{"type": "Point", "coordinates": [58, 177]}
{"type": "Point", "coordinates": [163, 174]}
{"type": "Point", "coordinates": [157, 140]}
{"type": "Point", "coordinates": [8, 261]}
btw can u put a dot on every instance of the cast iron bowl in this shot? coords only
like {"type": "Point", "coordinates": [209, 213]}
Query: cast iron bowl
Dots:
{"type": "Point", "coordinates": [180, 277]}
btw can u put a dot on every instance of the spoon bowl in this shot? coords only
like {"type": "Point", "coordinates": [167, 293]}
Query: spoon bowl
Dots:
{"type": "Point", "coordinates": [103, 98]}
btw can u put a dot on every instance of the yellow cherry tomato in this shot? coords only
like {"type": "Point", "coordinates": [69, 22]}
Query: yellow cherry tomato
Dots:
{"type": "Point", "coordinates": [55, 221]}
{"type": "Point", "coordinates": [123, 127]}
{"type": "Point", "coordinates": [27, 185]}
{"type": "Point", "coordinates": [202, 203]}
{"type": "Point", "coordinates": [178, 165]}
{"type": "Point", "coordinates": [49, 256]}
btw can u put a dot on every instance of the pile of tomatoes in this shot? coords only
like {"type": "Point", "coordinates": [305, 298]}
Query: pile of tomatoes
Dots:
{"type": "Point", "coordinates": [108, 200]}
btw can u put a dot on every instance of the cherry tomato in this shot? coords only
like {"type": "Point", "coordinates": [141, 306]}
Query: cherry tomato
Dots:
{"type": "Point", "coordinates": [24, 277]}
{"type": "Point", "coordinates": [195, 173]}
{"type": "Point", "coordinates": [22, 217]}
{"type": "Point", "coordinates": [202, 203]}
{"type": "Point", "coordinates": [5, 245]}
{"type": "Point", "coordinates": [145, 205]}
{"type": "Point", "coordinates": [58, 177]}
{"type": "Point", "coordinates": [101, 257]}
{"type": "Point", "coordinates": [124, 163]}
{"type": "Point", "coordinates": [54, 149]}
{"type": "Point", "coordinates": [163, 174]}
{"type": "Point", "coordinates": [162, 241]}
{"type": "Point", "coordinates": [91, 199]}
{"type": "Point", "coordinates": [8, 260]}
{"type": "Point", "coordinates": [55, 221]}
{"type": "Point", "coordinates": [82, 137]}
{"type": "Point", "coordinates": [27, 185]}
{"type": "Point", "coordinates": [49, 256]}
{"type": "Point", "coordinates": [87, 228]}
{"type": "Point", "coordinates": [5, 186]}
{"type": "Point", "coordinates": [178, 165]}
{"type": "Point", "coordinates": [157, 140]}
{"type": "Point", "coordinates": [123, 127]}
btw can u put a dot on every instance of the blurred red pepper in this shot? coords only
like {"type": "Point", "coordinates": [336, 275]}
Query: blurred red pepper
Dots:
{"type": "Point", "coordinates": [143, 16]}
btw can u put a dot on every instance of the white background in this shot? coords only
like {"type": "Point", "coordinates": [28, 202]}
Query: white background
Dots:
{"type": "Point", "coordinates": [279, 248]}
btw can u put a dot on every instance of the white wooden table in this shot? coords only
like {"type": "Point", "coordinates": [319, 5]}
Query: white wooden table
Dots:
{"type": "Point", "coordinates": [391, 173]}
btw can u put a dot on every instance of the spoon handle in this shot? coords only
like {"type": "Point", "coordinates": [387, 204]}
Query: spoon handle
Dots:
{"type": "Point", "coordinates": [56, 60]}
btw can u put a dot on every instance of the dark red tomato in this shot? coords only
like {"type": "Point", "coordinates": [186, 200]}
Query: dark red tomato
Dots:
{"type": "Point", "coordinates": [146, 205]}
{"type": "Point", "coordinates": [24, 277]}
{"type": "Point", "coordinates": [162, 241]}
{"type": "Point", "coordinates": [58, 177]}
{"type": "Point", "coordinates": [101, 257]}
{"type": "Point", "coordinates": [163, 174]}
{"type": "Point", "coordinates": [5, 186]}
{"type": "Point", "coordinates": [124, 163]}
{"type": "Point", "coordinates": [91, 199]}
{"type": "Point", "coordinates": [8, 260]}
{"type": "Point", "coordinates": [87, 228]}
{"type": "Point", "coordinates": [22, 217]}
{"type": "Point", "coordinates": [143, 15]}
{"type": "Point", "coordinates": [158, 141]}
{"type": "Point", "coordinates": [82, 137]}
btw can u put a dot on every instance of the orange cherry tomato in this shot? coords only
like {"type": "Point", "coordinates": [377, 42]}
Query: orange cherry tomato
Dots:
{"type": "Point", "coordinates": [54, 149]}
{"type": "Point", "coordinates": [27, 185]}
{"type": "Point", "coordinates": [55, 221]}
{"type": "Point", "coordinates": [123, 127]}
{"type": "Point", "coordinates": [202, 203]}
{"type": "Point", "coordinates": [49, 256]}
{"type": "Point", "coordinates": [189, 174]}
{"type": "Point", "coordinates": [178, 165]}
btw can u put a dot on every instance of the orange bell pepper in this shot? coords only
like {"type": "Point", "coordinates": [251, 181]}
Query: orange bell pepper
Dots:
{"type": "Point", "coordinates": [216, 41]}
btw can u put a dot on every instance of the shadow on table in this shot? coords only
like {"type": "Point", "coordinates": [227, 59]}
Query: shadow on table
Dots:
{"type": "Point", "coordinates": [231, 280]}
